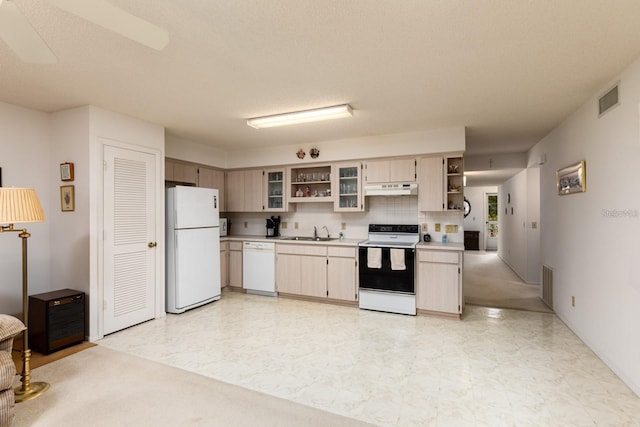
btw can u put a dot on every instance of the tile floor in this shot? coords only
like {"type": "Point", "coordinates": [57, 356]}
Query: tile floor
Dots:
{"type": "Point", "coordinates": [496, 367]}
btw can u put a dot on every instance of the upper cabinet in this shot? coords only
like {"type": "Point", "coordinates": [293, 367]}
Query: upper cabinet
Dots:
{"type": "Point", "coordinates": [430, 185]}
{"type": "Point", "coordinates": [255, 190]}
{"type": "Point", "coordinates": [213, 178]}
{"type": "Point", "coordinates": [389, 171]}
{"type": "Point", "coordinates": [441, 184]}
{"type": "Point", "coordinates": [455, 184]}
{"type": "Point", "coordinates": [274, 190]}
{"type": "Point", "coordinates": [310, 184]}
{"type": "Point", "coordinates": [183, 173]}
{"type": "Point", "coordinates": [347, 187]}
{"type": "Point", "coordinates": [244, 191]}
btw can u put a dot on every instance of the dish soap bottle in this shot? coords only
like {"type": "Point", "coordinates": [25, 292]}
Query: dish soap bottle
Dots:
{"type": "Point", "coordinates": [444, 238]}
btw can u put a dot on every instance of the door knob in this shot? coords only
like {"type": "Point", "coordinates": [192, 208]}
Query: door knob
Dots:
{"type": "Point", "coordinates": [152, 244]}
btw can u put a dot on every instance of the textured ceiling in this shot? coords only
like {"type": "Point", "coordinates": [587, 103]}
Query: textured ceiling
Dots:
{"type": "Point", "coordinates": [508, 70]}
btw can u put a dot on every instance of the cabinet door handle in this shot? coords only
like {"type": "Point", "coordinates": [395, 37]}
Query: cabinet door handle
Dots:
{"type": "Point", "coordinates": [152, 245]}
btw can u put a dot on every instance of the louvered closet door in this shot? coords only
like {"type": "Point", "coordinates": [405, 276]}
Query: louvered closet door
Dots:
{"type": "Point", "coordinates": [129, 225]}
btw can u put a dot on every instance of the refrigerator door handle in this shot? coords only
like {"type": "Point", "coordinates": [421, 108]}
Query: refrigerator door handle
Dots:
{"type": "Point", "coordinates": [152, 245]}
{"type": "Point", "coordinates": [215, 202]}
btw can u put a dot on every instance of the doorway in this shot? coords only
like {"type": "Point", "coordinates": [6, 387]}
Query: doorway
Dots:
{"type": "Point", "coordinates": [491, 232]}
{"type": "Point", "coordinates": [130, 235]}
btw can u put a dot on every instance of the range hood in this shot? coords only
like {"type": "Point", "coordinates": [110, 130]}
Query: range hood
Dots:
{"type": "Point", "coordinates": [391, 189]}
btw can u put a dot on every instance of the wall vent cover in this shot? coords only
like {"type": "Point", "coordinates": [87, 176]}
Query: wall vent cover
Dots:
{"type": "Point", "coordinates": [547, 286]}
{"type": "Point", "coordinates": [608, 100]}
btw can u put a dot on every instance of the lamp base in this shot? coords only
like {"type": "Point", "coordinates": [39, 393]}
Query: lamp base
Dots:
{"type": "Point", "coordinates": [35, 390]}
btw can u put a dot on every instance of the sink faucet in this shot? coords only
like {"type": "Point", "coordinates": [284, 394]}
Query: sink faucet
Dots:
{"type": "Point", "coordinates": [325, 227]}
{"type": "Point", "coordinates": [315, 232]}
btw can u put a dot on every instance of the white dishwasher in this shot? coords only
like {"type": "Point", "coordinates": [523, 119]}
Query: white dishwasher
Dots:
{"type": "Point", "coordinates": [259, 268]}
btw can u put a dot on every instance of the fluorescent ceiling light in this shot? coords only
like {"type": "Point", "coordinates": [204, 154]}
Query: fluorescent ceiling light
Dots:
{"type": "Point", "coordinates": [315, 115]}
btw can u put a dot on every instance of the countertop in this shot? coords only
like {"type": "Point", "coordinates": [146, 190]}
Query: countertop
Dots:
{"type": "Point", "coordinates": [344, 242]}
{"type": "Point", "coordinates": [259, 238]}
{"type": "Point", "coordinates": [441, 246]}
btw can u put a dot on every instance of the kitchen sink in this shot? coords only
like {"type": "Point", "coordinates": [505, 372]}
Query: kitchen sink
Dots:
{"type": "Point", "coordinates": [309, 239]}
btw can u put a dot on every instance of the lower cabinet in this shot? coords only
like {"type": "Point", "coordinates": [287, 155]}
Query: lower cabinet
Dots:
{"type": "Point", "coordinates": [317, 271]}
{"type": "Point", "coordinates": [235, 264]}
{"type": "Point", "coordinates": [342, 273]}
{"type": "Point", "coordinates": [439, 281]}
{"type": "Point", "coordinates": [224, 264]}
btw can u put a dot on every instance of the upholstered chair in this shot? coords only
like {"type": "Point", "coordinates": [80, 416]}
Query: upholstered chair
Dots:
{"type": "Point", "coordinates": [9, 328]}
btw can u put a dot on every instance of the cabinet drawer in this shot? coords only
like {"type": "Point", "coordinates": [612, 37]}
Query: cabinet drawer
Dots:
{"type": "Point", "coordinates": [301, 249]}
{"type": "Point", "coordinates": [235, 246]}
{"type": "Point", "coordinates": [438, 256]}
{"type": "Point", "coordinates": [224, 246]}
{"type": "Point", "coordinates": [339, 251]}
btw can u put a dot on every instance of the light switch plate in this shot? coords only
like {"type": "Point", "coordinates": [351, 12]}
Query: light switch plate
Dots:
{"type": "Point", "coordinates": [283, 225]}
{"type": "Point", "coordinates": [343, 226]}
{"type": "Point", "coordinates": [534, 225]}
{"type": "Point", "coordinates": [451, 228]}
{"type": "Point", "coordinates": [295, 225]}
{"type": "Point", "coordinates": [424, 228]}
{"type": "Point", "coordinates": [437, 227]}
{"type": "Point", "coordinates": [245, 224]}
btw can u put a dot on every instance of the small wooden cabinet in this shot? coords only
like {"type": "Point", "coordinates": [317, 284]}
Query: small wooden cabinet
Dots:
{"type": "Point", "coordinates": [390, 171]}
{"type": "Point", "coordinates": [235, 264]}
{"type": "Point", "coordinates": [439, 281]}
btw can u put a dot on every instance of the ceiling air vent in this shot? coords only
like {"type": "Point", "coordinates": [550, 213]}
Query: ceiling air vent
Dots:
{"type": "Point", "coordinates": [608, 100]}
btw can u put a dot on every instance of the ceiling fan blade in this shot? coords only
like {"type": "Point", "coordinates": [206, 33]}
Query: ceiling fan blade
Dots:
{"type": "Point", "coordinates": [21, 37]}
{"type": "Point", "coordinates": [106, 15]}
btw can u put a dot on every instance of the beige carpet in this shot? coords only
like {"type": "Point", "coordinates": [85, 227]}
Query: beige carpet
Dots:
{"type": "Point", "coordinates": [102, 387]}
{"type": "Point", "coordinates": [489, 282]}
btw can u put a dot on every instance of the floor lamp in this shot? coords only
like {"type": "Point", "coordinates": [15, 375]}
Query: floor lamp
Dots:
{"type": "Point", "coordinates": [18, 205]}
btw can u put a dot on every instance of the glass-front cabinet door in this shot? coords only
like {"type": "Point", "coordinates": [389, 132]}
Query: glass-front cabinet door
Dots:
{"type": "Point", "coordinates": [274, 180]}
{"type": "Point", "coordinates": [347, 187]}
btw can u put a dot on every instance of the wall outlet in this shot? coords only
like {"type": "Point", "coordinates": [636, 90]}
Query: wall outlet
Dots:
{"type": "Point", "coordinates": [295, 225]}
{"type": "Point", "coordinates": [343, 226]}
{"type": "Point", "coordinates": [534, 225]}
{"type": "Point", "coordinates": [573, 301]}
{"type": "Point", "coordinates": [245, 224]}
{"type": "Point", "coordinates": [451, 228]}
{"type": "Point", "coordinates": [283, 225]}
{"type": "Point", "coordinates": [424, 228]}
{"type": "Point", "coordinates": [437, 227]}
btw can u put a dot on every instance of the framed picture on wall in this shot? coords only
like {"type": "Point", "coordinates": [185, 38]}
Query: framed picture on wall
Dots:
{"type": "Point", "coordinates": [67, 198]}
{"type": "Point", "coordinates": [572, 179]}
{"type": "Point", "coordinates": [66, 171]}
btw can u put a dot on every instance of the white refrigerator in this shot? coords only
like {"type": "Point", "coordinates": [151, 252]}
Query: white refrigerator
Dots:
{"type": "Point", "coordinates": [193, 247]}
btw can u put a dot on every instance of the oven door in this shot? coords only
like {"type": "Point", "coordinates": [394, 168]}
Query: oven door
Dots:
{"type": "Point", "coordinates": [387, 278]}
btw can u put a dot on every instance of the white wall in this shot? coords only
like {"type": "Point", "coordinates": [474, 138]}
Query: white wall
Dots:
{"type": "Point", "coordinates": [512, 216]}
{"type": "Point", "coordinates": [70, 230]}
{"type": "Point", "coordinates": [518, 236]}
{"type": "Point", "coordinates": [590, 239]}
{"type": "Point", "coordinates": [25, 162]}
{"type": "Point", "coordinates": [182, 149]}
{"type": "Point", "coordinates": [476, 220]}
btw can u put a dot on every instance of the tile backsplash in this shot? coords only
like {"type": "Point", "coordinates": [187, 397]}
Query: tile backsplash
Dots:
{"type": "Point", "coordinates": [379, 210]}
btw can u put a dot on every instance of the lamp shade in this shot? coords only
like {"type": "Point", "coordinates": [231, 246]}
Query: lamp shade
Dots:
{"type": "Point", "coordinates": [19, 205]}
